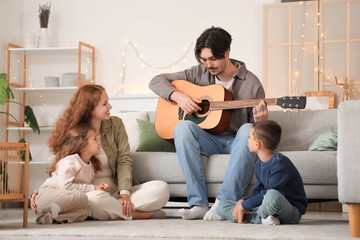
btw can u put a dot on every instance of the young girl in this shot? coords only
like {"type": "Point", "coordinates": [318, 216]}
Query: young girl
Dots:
{"type": "Point", "coordinates": [62, 197]}
{"type": "Point", "coordinates": [90, 105]}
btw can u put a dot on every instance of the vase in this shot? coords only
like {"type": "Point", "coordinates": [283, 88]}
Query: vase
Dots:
{"type": "Point", "coordinates": [43, 41]}
{"type": "Point", "coordinates": [30, 40]}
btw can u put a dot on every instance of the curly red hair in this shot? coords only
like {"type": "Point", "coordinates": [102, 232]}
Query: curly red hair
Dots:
{"type": "Point", "coordinates": [79, 111]}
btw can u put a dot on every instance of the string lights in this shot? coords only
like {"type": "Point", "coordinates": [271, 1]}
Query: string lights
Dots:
{"type": "Point", "coordinates": [134, 46]}
{"type": "Point", "coordinates": [296, 79]}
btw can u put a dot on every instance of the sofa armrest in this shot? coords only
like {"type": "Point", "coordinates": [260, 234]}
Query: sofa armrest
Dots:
{"type": "Point", "coordinates": [348, 161]}
{"type": "Point", "coordinates": [348, 158]}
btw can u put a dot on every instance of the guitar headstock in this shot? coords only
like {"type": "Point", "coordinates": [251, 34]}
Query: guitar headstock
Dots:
{"type": "Point", "coordinates": [295, 102]}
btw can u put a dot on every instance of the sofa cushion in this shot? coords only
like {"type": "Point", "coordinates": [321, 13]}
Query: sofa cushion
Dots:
{"type": "Point", "coordinates": [150, 141]}
{"type": "Point", "coordinates": [315, 168]}
{"type": "Point", "coordinates": [163, 166]}
{"type": "Point", "coordinates": [216, 168]}
{"type": "Point", "coordinates": [131, 126]}
{"type": "Point", "coordinates": [299, 130]}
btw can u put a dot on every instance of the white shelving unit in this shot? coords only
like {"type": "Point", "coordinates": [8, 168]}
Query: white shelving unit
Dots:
{"type": "Point", "coordinates": [29, 129]}
{"type": "Point", "coordinates": [26, 69]}
{"type": "Point", "coordinates": [50, 89]}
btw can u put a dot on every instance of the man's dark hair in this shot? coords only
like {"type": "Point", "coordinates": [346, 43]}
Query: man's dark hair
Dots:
{"type": "Point", "coordinates": [268, 132]}
{"type": "Point", "coordinates": [215, 38]}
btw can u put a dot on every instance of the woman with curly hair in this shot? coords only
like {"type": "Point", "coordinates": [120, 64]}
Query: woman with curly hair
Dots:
{"type": "Point", "coordinates": [90, 105]}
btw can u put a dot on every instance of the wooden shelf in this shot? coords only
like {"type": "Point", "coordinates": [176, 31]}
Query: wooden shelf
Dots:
{"type": "Point", "coordinates": [45, 50]}
{"type": "Point", "coordinates": [37, 162]}
{"type": "Point", "coordinates": [51, 89]}
{"type": "Point", "coordinates": [29, 129]}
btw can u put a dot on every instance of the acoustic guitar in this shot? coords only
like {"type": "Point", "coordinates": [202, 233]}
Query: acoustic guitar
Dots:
{"type": "Point", "coordinates": [216, 103]}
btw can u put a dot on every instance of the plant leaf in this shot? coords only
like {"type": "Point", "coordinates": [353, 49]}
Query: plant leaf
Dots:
{"type": "Point", "coordinates": [3, 88]}
{"type": "Point", "coordinates": [5, 91]}
{"type": "Point", "coordinates": [30, 119]}
{"type": "Point", "coordinates": [22, 153]}
{"type": "Point", "coordinates": [10, 93]}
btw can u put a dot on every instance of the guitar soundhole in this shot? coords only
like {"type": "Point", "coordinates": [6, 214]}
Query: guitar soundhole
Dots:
{"type": "Point", "coordinates": [205, 105]}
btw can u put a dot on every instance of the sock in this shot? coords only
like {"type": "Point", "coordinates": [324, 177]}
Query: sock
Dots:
{"type": "Point", "coordinates": [270, 220]}
{"type": "Point", "coordinates": [197, 212]}
{"type": "Point", "coordinates": [212, 214]}
{"type": "Point", "coordinates": [159, 214]}
{"type": "Point", "coordinates": [47, 214]}
{"type": "Point", "coordinates": [44, 219]}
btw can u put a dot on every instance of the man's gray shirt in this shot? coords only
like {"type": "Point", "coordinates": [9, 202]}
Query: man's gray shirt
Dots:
{"type": "Point", "coordinates": [246, 86]}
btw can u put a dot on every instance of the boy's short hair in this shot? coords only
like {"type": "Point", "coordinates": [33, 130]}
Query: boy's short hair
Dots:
{"type": "Point", "coordinates": [268, 132]}
{"type": "Point", "coordinates": [215, 38]}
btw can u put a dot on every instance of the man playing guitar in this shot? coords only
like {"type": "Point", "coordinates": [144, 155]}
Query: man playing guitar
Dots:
{"type": "Point", "coordinates": [212, 51]}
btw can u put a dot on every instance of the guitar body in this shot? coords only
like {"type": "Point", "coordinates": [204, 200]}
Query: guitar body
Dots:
{"type": "Point", "coordinates": [216, 103]}
{"type": "Point", "coordinates": [168, 114]}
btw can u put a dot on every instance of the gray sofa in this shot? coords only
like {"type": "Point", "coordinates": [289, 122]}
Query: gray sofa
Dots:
{"type": "Point", "coordinates": [318, 169]}
{"type": "Point", "coordinates": [349, 162]}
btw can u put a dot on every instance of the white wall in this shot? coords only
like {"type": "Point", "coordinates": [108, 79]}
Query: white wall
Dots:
{"type": "Point", "coordinates": [11, 19]}
{"type": "Point", "coordinates": [161, 28]}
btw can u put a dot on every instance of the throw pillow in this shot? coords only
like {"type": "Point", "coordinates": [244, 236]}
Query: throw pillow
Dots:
{"type": "Point", "coordinates": [327, 141]}
{"type": "Point", "coordinates": [150, 141]}
{"type": "Point", "coordinates": [131, 126]}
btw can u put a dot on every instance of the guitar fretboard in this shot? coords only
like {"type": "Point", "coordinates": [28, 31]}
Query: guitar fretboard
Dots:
{"type": "Point", "coordinates": [239, 104]}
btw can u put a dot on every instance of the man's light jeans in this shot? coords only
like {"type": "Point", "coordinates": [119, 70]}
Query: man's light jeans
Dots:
{"type": "Point", "coordinates": [191, 142]}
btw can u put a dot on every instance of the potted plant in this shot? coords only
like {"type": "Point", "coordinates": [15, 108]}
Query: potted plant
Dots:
{"type": "Point", "coordinates": [6, 95]}
{"type": "Point", "coordinates": [44, 13]}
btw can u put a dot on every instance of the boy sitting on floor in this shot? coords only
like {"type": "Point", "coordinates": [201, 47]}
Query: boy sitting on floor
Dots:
{"type": "Point", "coordinates": [278, 195]}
